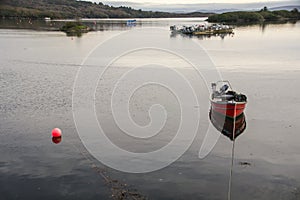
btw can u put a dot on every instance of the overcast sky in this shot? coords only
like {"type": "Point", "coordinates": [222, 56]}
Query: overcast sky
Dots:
{"type": "Point", "coordinates": [191, 1]}
{"type": "Point", "coordinates": [198, 5]}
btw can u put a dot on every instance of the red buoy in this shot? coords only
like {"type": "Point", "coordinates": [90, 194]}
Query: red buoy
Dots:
{"type": "Point", "coordinates": [56, 132]}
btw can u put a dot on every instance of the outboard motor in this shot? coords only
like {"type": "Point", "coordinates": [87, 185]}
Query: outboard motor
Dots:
{"type": "Point", "coordinates": [240, 98]}
{"type": "Point", "coordinates": [223, 89]}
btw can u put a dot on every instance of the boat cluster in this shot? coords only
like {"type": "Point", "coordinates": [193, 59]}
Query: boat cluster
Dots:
{"type": "Point", "coordinates": [202, 29]}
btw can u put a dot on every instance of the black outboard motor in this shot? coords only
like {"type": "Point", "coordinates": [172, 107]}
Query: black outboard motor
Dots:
{"type": "Point", "coordinates": [223, 89]}
{"type": "Point", "coordinates": [240, 98]}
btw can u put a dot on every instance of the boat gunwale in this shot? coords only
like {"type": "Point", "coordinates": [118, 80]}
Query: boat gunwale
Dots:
{"type": "Point", "coordinates": [227, 102]}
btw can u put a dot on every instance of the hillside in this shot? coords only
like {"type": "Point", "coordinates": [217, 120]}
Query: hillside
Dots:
{"type": "Point", "coordinates": [62, 9]}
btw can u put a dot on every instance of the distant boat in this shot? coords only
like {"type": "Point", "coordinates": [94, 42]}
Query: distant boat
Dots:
{"type": "Point", "coordinates": [131, 22]}
{"type": "Point", "coordinates": [225, 101]}
{"type": "Point", "coordinates": [47, 19]}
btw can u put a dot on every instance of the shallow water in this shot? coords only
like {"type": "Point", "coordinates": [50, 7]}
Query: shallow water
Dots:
{"type": "Point", "coordinates": [38, 70]}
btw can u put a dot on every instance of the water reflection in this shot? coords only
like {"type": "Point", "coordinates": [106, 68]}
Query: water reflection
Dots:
{"type": "Point", "coordinates": [36, 87]}
{"type": "Point", "coordinates": [202, 37]}
{"type": "Point", "coordinates": [56, 140]}
{"type": "Point", "coordinates": [264, 25]}
{"type": "Point", "coordinates": [30, 24]}
{"type": "Point", "coordinates": [55, 25]}
{"type": "Point", "coordinates": [120, 24]}
{"type": "Point", "coordinates": [230, 127]}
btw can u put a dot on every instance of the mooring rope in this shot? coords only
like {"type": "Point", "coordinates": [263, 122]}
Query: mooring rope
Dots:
{"type": "Point", "coordinates": [232, 154]}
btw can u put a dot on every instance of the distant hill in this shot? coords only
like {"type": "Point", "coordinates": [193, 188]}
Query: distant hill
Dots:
{"type": "Point", "coordinates": [223, 10]}
{"type": "Point", "coordinates": [285, 7]}
{"type": "Point", "coordinates": [62, 9]}
{"type": "Point", "coordinates": [209, 7]}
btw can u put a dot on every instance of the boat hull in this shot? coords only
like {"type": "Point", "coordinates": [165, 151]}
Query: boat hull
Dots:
{"type": "Point", "coordinates": [228, 109]}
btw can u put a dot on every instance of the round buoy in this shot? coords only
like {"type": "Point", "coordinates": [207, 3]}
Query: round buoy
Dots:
{"type": "Point", "coordinates": [56, 140]}
{"type": "Point", "coordinates": [56, 132]}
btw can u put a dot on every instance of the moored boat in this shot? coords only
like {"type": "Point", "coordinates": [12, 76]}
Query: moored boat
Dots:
{"type": "Point", "coordinates": [202, 29]}
{"type": "Point", "coordinates": [226, 101]}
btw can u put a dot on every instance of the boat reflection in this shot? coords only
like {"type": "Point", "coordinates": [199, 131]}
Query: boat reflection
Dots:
{"type": "Point", "coordinates": [228, 126]}
{"type": "Point", "coordinates": [203, 37]}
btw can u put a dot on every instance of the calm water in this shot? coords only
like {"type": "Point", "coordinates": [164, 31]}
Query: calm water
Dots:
{"type": "Point", "coordinates": [37, 73]}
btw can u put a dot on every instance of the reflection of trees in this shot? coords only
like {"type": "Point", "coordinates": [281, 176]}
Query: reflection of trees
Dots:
{"type": "Point", "coordinates": [56, 25]}
{"type": "Point", "coordinates": [264, 25]}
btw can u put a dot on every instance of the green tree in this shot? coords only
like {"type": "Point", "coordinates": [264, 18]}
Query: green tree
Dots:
{"type": "Point", "coordinates": [295, 10]}
{"type": "Point", "coordinates": [265, 9]}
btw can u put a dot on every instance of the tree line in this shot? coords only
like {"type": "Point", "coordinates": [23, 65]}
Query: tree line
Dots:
{"type": "Point", "coordinates": [62, 9]}
{"type": "Point", "coordinates": [264, 15]}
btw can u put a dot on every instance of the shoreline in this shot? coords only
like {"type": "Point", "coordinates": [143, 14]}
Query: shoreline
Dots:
{"type": "Point", "coordinates": [56, 24]}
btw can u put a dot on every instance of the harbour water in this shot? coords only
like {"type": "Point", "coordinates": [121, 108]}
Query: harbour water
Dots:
{"type": "Point", "coordinates": [37, 74]}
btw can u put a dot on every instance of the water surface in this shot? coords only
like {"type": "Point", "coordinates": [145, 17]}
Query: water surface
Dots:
{"type": "Point", "coordinates": [37, 73]}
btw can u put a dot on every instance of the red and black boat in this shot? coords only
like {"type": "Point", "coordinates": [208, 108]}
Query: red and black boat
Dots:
{"type": "Point", "coordinates": [226, 101]}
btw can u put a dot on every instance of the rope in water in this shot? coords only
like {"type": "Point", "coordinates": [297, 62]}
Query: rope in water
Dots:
{"type": "Point", "coordinates": [232, 155]}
